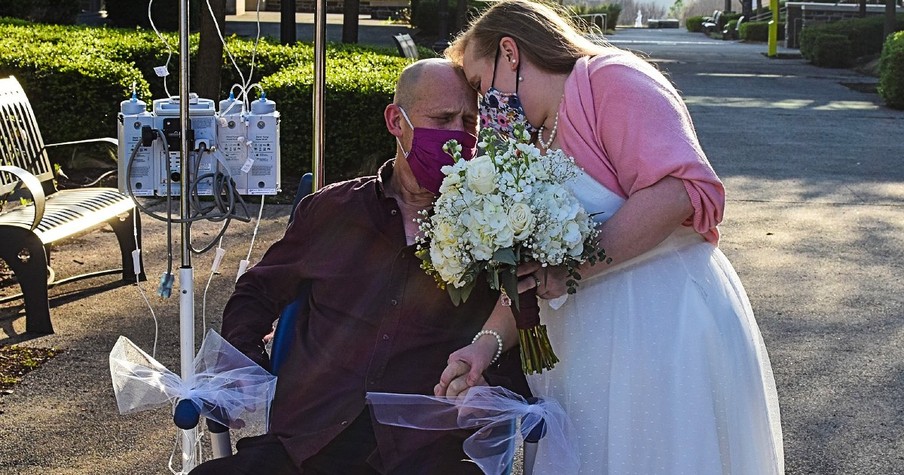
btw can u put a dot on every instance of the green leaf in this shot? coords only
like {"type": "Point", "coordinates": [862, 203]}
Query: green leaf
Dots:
{"type": "Point", "coordinates": [493, 278]}
{"type": "Point", "coordinates": [455, 294]}
{"type": "Point", "coordinates": [505, 256]}
{"type": "Point", "coordinates": [466, 290]}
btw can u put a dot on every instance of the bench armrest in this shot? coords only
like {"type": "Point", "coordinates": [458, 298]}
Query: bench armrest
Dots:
{"type": "Point", "coordinates": [34, 186]}
{"type": "Point", "coordinates": [84, 170]}
{"type": "Point", "coordinates": [109, 140]}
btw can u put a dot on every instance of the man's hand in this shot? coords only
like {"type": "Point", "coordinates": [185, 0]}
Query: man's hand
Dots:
{"type": "Point", "coordinates": [465, 368]}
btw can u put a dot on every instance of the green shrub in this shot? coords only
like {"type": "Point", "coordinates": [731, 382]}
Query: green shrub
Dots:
{"type": "Point", "coordinates": [727, 17]}
{"type": "Point", "coordinates": [357, 91]}
{"type": "Point", "coordinates": [831, 51]}
{"type": "Point", "coordinates": [76, 77]}
{"type": "Point", "coordinates": [759, 31]}
{"type": "Point", "coordinates": [694, 24]}
{"type": "Point", "coordinates": [891, 71]}
{"type": "Point", "coordinates": [74, 95]}
{"type": "Point", "coordinates": [865, 35]}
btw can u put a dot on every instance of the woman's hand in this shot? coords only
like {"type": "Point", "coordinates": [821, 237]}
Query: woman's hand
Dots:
{"type": "Point", "coordinates": [551, 282]}
{"type": "Point", "coordinates": [466, 366]}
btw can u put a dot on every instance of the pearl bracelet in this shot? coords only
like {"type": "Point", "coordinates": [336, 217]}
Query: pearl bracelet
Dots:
{"type": "Point", "coordinates": [498, 342]}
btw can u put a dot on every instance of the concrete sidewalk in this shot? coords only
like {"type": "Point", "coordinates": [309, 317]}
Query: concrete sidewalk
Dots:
{"type": "Point", "coordinates": [814, 226]}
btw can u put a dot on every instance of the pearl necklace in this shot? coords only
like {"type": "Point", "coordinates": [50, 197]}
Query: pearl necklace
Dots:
{"type": "Point", "coordinates": [552, 133]}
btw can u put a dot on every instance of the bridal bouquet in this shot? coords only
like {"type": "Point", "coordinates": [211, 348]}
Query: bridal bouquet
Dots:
{"type": "Point", "coordinates": [502, 208]}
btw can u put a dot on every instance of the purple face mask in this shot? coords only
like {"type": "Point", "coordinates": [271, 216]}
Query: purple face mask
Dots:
{"type": "Point", "coordinates": [427, 158]}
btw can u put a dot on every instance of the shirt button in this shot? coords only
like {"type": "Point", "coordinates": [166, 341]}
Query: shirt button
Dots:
{"type": "Point", "coordinates": [385, 337]}
{"type": "Point", "coordinates": [393, 302]}
{"type": "Point", "coordinates": [394, 212]}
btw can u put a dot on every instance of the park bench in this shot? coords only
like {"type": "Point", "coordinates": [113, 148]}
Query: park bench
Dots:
{"type": "Point", "coordinates": [405, 44]}
{"type": "Point", "coordinates": [34, 214]}
{"type": "Point", "coordinates": [733, 33]}
{"type": "Point", "coordinates": [712, 24]}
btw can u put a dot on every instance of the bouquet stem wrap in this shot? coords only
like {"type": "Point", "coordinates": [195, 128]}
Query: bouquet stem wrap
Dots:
{"type": "Point", "coordinates": [536, 350]}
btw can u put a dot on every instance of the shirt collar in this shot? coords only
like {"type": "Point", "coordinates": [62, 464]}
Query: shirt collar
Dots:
{"type": "Point", "coordinates": [384, 174]}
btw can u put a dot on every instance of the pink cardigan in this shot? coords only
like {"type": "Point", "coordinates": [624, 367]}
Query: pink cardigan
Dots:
{"type": "Point", "coordinates": [627, 127]}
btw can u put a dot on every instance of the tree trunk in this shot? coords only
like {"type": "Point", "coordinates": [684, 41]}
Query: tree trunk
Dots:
{"type": "Point", "coordinates": [210, 52]}
{"type": "Point", "coordinates": [890, 20]}
{"type": "Point", "coordinates": [287, 22]}
{"type": "Point", "coordinates": [350, 21]}
{"type": "Point", "coordinates": [461, 16]}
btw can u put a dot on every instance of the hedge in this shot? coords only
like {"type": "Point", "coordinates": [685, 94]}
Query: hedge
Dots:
{"type": "Point", "coordinates": [891, 71]}
{"type": "Point", "coordinates": [75, 93]}
{"type": "Point", "coordinates": [831, 51]}
{"type": "Point", "coordinates": [76, 77]}
{"type": "Point", "coordinates": [758, 31]}
{"type": "Point", "coordinates": [866, 35]}
{"type": "Point", "coordinates": [357, 91]}
{"type": "Point", "coordinates": [694, 24]}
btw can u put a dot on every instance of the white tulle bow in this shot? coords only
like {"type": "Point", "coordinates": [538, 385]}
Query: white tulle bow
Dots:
{"type": "Point", "coordinates": [227, 386]}
{"type": "Point", "coordinates": [493, 412]}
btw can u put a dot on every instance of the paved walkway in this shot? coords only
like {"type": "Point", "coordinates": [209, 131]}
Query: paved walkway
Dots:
{"type": "Point", "coordinates": [814, 226]}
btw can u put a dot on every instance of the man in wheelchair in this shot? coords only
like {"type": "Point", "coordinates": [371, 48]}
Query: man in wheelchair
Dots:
{"type": "Point", "coordinates": [374, 320]}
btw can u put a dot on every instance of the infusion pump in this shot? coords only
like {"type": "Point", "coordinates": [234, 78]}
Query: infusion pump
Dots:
{"type": "Point", "coordinates": [231, 143]}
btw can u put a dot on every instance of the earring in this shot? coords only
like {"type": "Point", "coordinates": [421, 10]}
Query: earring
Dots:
{"type": "Point", "coordinates": [513, 61]}
{"type": "Point", "coordinates": [520, 78]}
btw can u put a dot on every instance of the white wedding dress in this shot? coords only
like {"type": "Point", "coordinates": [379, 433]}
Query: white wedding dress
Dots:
{"type": "Point", "coordinates": [662, 367]}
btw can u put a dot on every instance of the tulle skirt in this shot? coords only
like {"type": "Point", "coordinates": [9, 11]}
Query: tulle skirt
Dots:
{"type": "Point", "coordinates": [663, 369]}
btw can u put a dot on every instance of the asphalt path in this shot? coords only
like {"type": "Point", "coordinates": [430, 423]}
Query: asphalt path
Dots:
{"type": "Point", "coordinates": [814, 226]}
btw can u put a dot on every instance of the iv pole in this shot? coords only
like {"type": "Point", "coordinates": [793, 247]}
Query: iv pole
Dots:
{"type": "Point", "coordinates": [319, 87]}
{"type": "Point", "coordinates": [186, 273]}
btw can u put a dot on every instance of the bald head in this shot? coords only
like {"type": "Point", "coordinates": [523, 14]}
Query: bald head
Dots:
{"type": "Point", "coordinates": [425, 78]}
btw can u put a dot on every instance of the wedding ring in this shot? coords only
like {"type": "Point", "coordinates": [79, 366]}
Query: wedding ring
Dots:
{"type": "Point", "coordinates": [536, 281]}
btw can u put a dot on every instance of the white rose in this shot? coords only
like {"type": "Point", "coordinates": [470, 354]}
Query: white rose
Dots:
{"type": "Point", "coordinates": [521, 220]}
{"type": "Point", "coordinates": [481, 175]}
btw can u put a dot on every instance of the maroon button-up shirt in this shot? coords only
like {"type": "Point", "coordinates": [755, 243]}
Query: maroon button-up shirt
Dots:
{"type": "Point", "coordinates": [377, 321]}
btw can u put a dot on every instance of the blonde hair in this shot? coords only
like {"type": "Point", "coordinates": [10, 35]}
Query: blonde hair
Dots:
{"type": "Point", "coordinates": [543, 33]}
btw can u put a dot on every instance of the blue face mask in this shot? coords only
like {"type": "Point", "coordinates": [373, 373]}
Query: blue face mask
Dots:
{"type": "Point", "coordinates": [427, 158]}
{"type": "Point", "coordinates": [501, 111]}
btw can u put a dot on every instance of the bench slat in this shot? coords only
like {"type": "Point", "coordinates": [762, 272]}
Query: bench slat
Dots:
{"type": "Point", "coordinates": [66, 214]}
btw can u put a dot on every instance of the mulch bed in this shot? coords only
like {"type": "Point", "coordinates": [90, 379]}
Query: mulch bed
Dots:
{"type": "Point", "coordinates": [17, 361]}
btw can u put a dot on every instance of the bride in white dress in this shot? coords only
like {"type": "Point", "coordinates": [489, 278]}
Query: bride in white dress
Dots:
{"type": "Point", "coordinates": [662, 366]}
{"type": "Point", "coordinates": [662, 369]}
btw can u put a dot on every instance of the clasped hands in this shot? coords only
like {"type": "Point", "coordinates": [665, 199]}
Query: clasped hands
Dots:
{"type": "Point", "coordinates": [465, 367]}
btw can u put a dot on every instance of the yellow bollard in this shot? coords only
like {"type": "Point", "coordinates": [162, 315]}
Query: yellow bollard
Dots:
{"type": "Point", "coordinates": [773, 29]}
